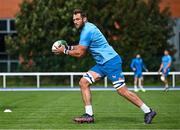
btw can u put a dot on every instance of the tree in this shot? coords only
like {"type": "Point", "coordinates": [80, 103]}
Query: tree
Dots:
{"type": "Point", "coordinates": [39, 24]}
{"type": "Point", "coordinates": [138, 27]}
{"type": "Point", "coordinates": [130, 26]}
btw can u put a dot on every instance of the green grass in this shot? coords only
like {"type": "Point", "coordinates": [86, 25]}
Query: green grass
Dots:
{"type": "Point", "coordinates": [55, 110]}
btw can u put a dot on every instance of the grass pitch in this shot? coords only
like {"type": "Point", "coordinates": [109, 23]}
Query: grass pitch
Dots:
{"type": "Point", "coordinates": [55, 110]}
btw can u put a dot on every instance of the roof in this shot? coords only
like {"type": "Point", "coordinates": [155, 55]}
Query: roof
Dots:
{"type": "Point", "coordinates": [9, 8]}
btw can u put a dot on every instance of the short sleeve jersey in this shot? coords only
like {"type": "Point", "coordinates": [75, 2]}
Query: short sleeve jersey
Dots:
{"type": "Point", "coordinates": [97, 44]}
{"type": "Point", "coordinates": [166, 60]}
{"type": "Point", "coordinates": [138, 64]}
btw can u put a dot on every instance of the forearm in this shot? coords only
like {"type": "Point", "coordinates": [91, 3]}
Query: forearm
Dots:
{"type": "Point", "coordinates": [132, 66]}
{"type": "Point", "coordinates": [74, 51]}
{"type": "Point", "coordinates": [144, 67]}
{"type": "Point", "coordinates": [161, 66]}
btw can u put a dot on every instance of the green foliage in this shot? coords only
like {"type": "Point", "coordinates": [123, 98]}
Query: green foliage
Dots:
{"type": "Point", "coordinates": [130, 26]}
{"type": "Point", "coordinates": [140, 28]}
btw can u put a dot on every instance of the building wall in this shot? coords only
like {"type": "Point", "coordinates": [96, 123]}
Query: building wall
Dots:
{"type": "Point", "coordinates": [174, 6]}
{"type": "Point", "coordinates": [8, 8]}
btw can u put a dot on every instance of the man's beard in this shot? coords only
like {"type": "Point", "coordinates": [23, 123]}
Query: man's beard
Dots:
{"type": "Point", "coordinates": [81, 27]}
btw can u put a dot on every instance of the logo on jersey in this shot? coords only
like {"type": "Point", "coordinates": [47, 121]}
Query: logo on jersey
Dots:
{"type": "Point", "coordinates": [113, 76]}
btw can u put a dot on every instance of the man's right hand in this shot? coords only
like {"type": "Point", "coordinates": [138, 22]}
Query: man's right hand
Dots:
{"type": "Point", "coordinates": [59, 50]}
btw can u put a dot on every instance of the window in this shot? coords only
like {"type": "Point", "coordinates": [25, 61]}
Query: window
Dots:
{"type": "Point", "coordinates": [179, 46]}
{"type": "Point", "coordinates": [12, 25]}
{"type": "Point", "coordinates": [3, 25]}
{"type": "Point", "coordinates": [7, 27]}
{"type": "Point", "coordinates": [2, 45]}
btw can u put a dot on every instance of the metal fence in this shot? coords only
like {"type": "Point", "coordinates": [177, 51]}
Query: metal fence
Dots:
{"type": "Point", "coordinates": [71, 76]}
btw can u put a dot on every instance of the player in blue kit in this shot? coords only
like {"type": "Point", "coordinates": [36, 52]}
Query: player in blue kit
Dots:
{"type": "Point", "coordinates": [137, 65]}
{"type": "Point", "coordinates": [165, 68]}
{"type": "Point", "coordinates": [108, 63]}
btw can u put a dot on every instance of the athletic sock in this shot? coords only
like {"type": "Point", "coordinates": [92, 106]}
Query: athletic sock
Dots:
{"type": "Point", "coordinates": [89, 110]}
{"type": "Point", "coordinates": [145, 108]}
{"type": "Point", "coordinates": [135, 87]}
{"type": "Point", "coordinates": [141, 87]}
{"type": "Point", "coordinates": [166, 85]}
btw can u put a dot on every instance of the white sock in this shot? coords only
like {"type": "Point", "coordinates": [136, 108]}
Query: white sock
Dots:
{"type": "Point", "coordinates": [89, 110]}
{"type": "Point", "coordinates": [141, 87]}
{"type": "Point", "coordinates": [135, 87]}
{"type": "Point", "coordinates": [145, 108]}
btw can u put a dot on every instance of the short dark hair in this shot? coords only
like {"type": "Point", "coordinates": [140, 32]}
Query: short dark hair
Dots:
{"type": "Point", "coordinates": [79, 11]}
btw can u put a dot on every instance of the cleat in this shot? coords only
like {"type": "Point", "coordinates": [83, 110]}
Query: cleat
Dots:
{"type": "Point", "coordinates": [85, 118]}
{"type": "Point", "coordinates": [136, 90]}
{"type": "Point", "coordinates": [166, 88]}
{"type": "Point", "coordinates": [149, 116]}
{"type": "Point", "coordinates": [143, 90]}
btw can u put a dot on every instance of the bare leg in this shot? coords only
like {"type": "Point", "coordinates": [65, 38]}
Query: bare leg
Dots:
{"type": "Point", "coordinates": [140, 80]}
{"type": "Point", "coordinates": [85, 91]}
{"type": "Point", "coordinates": [166, 84]}
{"type": "Point", "coordinates": [165, 81]}
{"type": "Point", "coordinates": [135, 84]}
{"type": "Point", "coordinates": [86, 97]}
{"type": "Point", "coordinates": [132, 97]}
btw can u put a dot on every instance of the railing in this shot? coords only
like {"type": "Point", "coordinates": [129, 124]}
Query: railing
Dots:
{"type": "Point", "coordinates": [72, 74]}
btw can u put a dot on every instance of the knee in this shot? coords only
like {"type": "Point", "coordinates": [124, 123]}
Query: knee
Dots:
{"type": "Point", "coordinates": [162, 78]}
{"type": "Point", "coordinates": [135, 80]}
{"type": "Point", "coordinates": [83, 83]}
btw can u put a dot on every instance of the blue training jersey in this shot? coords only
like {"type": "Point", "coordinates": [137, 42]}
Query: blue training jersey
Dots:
{"type": "Point", "coordinates": [97, 44]}
{"type": "Point", "coordinates": [166, 60]}
{"type": "Point", "coordinates": [138, 64]}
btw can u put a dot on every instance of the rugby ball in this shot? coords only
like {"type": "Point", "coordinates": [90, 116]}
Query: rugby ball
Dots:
{"type": "Point", "coordinates": [59, 43]}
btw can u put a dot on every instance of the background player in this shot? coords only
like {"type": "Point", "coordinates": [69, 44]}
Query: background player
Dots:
{"type": "Point", "coordinates": [137, 65]}
{"type": "Point", "coordinates": [165, 68]}
{"type": "Point", "coordinates": [108, 63]}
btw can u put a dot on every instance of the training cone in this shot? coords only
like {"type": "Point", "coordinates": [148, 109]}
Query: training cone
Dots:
{"type": "Point", "coordinates": [7, 110]}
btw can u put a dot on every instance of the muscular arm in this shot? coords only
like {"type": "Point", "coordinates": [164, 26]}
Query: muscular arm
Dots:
{"type": "Point", "coordinates": [78, 51]}
{"type": "Point", "coordinates": [144, 67]}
